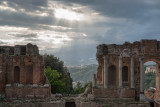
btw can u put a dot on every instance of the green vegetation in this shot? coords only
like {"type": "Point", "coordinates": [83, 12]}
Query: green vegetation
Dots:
{"type": "Point", "coordinates": [57, 85]}
{"type": "Point", "coordinates": [79, 88]}
{"type": "Point", "coordinates": [106, 106]}
{"type": "Point", "coordinates": [149, 80]}
{"type": "Point", "coordinates": [61, 81]}
{"type": "Point", "coordinates": [58, 75]}
{"type": "Point", "coordinates": [83, 73]}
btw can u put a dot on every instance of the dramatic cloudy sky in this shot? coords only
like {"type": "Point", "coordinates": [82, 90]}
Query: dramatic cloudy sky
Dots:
{"type": "Point", "coordinates": [71, 29]}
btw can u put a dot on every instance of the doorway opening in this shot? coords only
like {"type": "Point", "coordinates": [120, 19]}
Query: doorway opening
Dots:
{"type": "Point", "coordinates": [112, 76]}
{"type": "Point", "coordinates": [16, 74]}
{"type": "Point", "coordinates": [70, 104]}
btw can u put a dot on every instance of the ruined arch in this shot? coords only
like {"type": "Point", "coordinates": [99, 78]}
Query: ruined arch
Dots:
{"type": "Point", "coordinates": [126, 52]}
{"type": "Point", "coordinates": [16, 74]}
{"type": "Point", "coordinates": [133, 55]}
{"type": "Point", "coordinates": [112, 76]}
{"type": "Point", "coordinates": [29, 74]}
{"type": "Point", "coordinates": [125, 73]}
{"type": "Point", "coordinates": [151, 83]}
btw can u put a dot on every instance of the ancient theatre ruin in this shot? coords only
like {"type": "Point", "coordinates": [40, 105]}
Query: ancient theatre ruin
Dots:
{"type": "Point", "coordinates": [22, 72]}
{"type": "Point", "coordinates": [120, 72]}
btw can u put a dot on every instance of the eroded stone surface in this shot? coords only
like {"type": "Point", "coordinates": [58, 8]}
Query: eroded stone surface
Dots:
{"type": "Point", "coordinates": [21, 72]}
{"type": "Point", "coordinates": [119, 82]}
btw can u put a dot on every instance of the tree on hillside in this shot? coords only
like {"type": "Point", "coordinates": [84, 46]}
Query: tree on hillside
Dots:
{"type": "Point", "coordinates": [149, 80]}
{"type": "Point", "coordinates": [56, 64]}
{"type": "Point", "coordinates": [78, 89]}
{"type": "Point", "coordinates": [57, 85]}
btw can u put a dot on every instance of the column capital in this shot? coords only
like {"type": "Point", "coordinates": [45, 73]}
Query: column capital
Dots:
{"type": "Point", "coordinates": [105, 57]}
{"type": "Point", "coordinates": [141, 57]}
{"type": "Point", "coordinates": [131, 55]}
{"type": "Point", "coordinates": [120, 57]}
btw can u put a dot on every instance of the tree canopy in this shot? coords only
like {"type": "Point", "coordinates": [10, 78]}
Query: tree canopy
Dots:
{"type": "Point", "coordinates": [53, 63]}
{"type": "Point", "coordinates": [57, 85]}
{"type": "Point", "coordinates": [149, 79]}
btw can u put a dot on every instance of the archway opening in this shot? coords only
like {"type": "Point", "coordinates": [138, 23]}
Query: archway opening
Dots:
{"type": "Point", "coordinates": [70, 104]}
{"type": "Point", "coordinates": [29, 74]}
{"type": "Point", "coordinates": [125, 76]}
{"type": "Point", "coordinates": [150, 79]}
{"type": "Point", "coordinates": [16, 74]}
{"type": "Point", "coordinates": [112, 76]}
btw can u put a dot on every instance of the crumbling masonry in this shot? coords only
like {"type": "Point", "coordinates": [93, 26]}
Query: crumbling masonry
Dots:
{"type": "Point", "coordinates": [22, 72]}
{"type": "Point", "coordinates": [120, 72]}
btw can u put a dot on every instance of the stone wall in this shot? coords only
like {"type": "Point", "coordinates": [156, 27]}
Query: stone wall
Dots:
{"type": "Point", "coordinates": [37, 104]}
{"type": "Point", "coordinates": [30, 91]}
{"type": "Point", "coordinates": [113, 93]}
{"type": "Point", "coordinates": [141, 52]}
{"type": "Point", "coordinates": [21, 66]}
{"type": "Point", "coordinates": [112, 104]}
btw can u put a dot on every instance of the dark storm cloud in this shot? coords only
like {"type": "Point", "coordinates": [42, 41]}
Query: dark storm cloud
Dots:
{"type": "Point", "coordinates": [126, 20]}
{"type": "Point", "coordinates": [22, 19]}
{"type": "Point", "coordinates": [28, 5]}
{"type": "Point", "coordinates": [29, 18]}
{"type": "Point", "coordinates": [137, 10]}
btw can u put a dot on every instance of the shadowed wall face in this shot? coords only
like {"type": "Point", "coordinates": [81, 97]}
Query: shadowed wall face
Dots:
{"type": "Point", "coordinates": [23, 65]}
{"type": "Point", "coordinates": [16, 74]}
{"type": "Point", "coordinates": [112, 76]}
{"type": "Point", "coordinates": [125, 68]}
{"type": "Point", "coordinates": [29, 74]}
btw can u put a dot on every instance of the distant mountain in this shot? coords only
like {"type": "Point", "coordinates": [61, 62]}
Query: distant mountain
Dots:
{"type": "Point", "coordinates": [82, 73]}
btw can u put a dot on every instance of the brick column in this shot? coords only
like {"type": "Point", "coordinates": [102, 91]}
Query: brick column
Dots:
{"type": "Point", "coordinates": [105, 72]}
{"type": "Point", "coordinates": [132, 72]}
{"type": "Point", "coordinates": [120, 71]}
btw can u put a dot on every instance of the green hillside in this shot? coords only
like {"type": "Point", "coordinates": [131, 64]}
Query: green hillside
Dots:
{"type": "Point", "coordinates": [82, 73]}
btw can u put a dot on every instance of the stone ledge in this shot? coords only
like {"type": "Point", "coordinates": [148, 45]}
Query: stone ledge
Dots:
{"type": "Point", "coordinates": [29, 96]}
{"type": "Point", "coordinates": [40, 96]}
{"type": "Point", "coordinates": [46, 86]}
{"type": "Point", "coordinates": [8, 85]}
{"type": "Point", "coordinates": [113, 93]}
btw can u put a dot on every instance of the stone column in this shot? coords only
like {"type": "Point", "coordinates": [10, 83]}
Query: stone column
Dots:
{"type": "Point", "coordinates": [94, 82]}
{"type": "Point", "coordinates": [141, 75]}
{"type": "Point", "coordinates": [132, 72]}
{"type": "Point", "coordinates": [158, 69]}
{"type": "Point", "coordinates": [105, 72]}
{"type": "Point", "coordinates": [142, 97]}
{"type": "Point", "coordinates": [120, 71]}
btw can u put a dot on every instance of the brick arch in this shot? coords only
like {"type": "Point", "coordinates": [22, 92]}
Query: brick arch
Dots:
{"type": "Point", "coordinates": [112, 76]}
{"type": "Point", "coordinates": [152, 59]}
{"type": "Point", "coordinates": [29, 74]}
{"type": "Point", "coordinates": [125, 74]}
{"type": "Point", "coordinates": [16, 74]}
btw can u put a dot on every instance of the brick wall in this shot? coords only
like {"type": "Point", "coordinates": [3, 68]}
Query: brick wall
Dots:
{"type": "Point", "coordinates": [113, 93]}
{"type": "Point", "coordinates": [28, 92]}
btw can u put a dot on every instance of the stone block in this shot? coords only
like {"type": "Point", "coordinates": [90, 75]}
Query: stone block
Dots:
{"type": "Point", "coordinates": [30, 96]}
{"type": "Point", "coordinates": [8, 85]}
{"type": "Point", "coordinates": [20, 85]}
{"type": "Point", "coordinates": [39, 96]}
{"type": "Point", "coordinates": [46, 86]}
{"type": "Point", "coordinates": [34, 86]}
